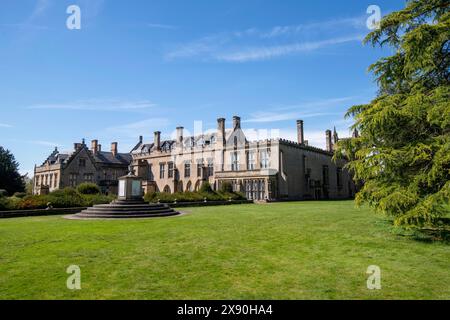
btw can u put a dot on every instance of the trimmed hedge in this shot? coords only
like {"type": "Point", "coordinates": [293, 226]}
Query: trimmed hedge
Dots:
{"type": "Point", "coordinates": [67, 198]}
{"type": "Point", "coordinates": [191, 196]}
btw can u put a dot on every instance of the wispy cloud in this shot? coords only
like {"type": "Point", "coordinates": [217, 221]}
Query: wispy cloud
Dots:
{"type": "Point", "coordinates": [38, 11]}
{"type": "Point", "coordinates": [254, 44]}
{"type": "Point", "coordinates": [309, 109]}
{"type": "Point", "coordinates": [138, 128]}
{"type": "Point", "coordinates": [261, 117]}
{"type": "Point", "coordinates": [5, 125]}
{"type": "Point", "coordinates": [45, 143]}
{"type": "Point", "coordinates": [161, 26]}
{"type": "Point", "coordinates": [290, 30]}
{"type": "Point", "coordinates": [97, 105]}
{"type": "Point", "coordinates": [264, 53]}
{"type": "Point", "coordinates": [24, 26]}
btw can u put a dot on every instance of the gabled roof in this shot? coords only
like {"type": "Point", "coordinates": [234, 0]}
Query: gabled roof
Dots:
{"type": "Point", "coordinates": [101, 157]}
{"type": "Point", "coordinates": [108, 158]}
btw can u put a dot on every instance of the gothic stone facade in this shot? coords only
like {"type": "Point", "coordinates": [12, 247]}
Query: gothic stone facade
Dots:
{"type": "Point", "coordinates": [273, 169]}
{"type": "Point", "coordinates": [62, 170]}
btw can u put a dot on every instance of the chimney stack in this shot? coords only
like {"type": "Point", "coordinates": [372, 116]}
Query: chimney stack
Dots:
{"type": "Point", "coordinates": [179, 141]}
{"type": "Point", "coordinates": [141, 139]}
{"type": "Point", "coordinates": [114, 148]}
{"type": "Point", "coordinates": [236, 122]}
{"type": "Point", "coordinates": [329, 142]}
{"type": "Point", "coordinates": [221, 131]}
{"type": "Point", "coordinates": [94, 146]}
{"type": "Point", "coordinates": [300, 132]}
{"type": "Point", "coordinates": [99, 148]}
{"type": "Point", "coordinates": [157, 140]}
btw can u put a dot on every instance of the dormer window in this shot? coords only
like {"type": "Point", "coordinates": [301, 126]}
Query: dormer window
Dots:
{"type": "Point", "coordinates": [82, 163]}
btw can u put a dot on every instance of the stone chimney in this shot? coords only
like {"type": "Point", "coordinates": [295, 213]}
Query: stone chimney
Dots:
{"type": "Point", "coordinates": [236, 122]}
{"type": "Point", "coordinates": [221, 131]}
{"type": "Point", "coordinates": [114, 148]}
{"type": "Point", "coordinates": [329, 142]}
{"type": "Point", "coordinates": [99, 148]}
{"type": "Point", "coordinates": [157, 140]}
{"type": "Point", "coordinates": [94, 146]}
{"type": "Point", "coordinates": [179, 141]}
{"type": "Point", "coordinates": [141, 139]}
{"type": "Point", "coordinates": [300, 132]}
{"type": "Point", "coordinates": [76, 146]}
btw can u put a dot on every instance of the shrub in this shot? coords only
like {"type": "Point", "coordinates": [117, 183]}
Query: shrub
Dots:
{"type": "Point", "coordinates": [3, 193]}
{"type": "Point", "coordinates": [67, 198]}
{"type": "Point", "coordinates": [150, 196]}
{"type": "Point", "coordinates": [88, 188]}
{"type": "Point", "coordinates": [206, 187]}
{"type": "Point", "coordinates": [191, 197]}
{"type": "Point", "coordinates": [226, 187]}
{"type": "Point", "coordinates": [68, 191]}
{"type": "Point", "coordinates": [20, 195]}
{"type": "Point", "coordinates": [5, 204]}
{"type": "Point", "coordinates": [89, 200]}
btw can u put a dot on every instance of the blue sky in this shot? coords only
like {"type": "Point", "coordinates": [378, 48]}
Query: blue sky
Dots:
{"type": "Point", "coordinates": [139, 66]}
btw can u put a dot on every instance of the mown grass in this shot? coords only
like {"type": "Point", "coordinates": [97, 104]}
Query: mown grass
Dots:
{"type": "Point", "coordinates": [299, 250]}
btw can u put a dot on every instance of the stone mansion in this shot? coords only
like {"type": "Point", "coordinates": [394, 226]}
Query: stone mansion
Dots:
{"type": "Point", "coordinates": [62, 170]}
{"type": "Point", "coordinates": [271, 169]}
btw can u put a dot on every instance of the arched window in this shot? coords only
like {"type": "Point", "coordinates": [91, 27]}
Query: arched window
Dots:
{"type": "Point", "coordinates": [189, 187]}
{"type": "Point", "coordinates": [166, 189]}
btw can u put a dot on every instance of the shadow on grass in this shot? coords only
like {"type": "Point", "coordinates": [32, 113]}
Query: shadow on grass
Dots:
{"type": "Point", "coordinates": [438, 233]}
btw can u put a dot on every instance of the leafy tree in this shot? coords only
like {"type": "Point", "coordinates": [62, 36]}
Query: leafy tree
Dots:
{"type": "Point", "coordinates": [10, 179]}
{"type": "Point", "coordinates": [403, 152]}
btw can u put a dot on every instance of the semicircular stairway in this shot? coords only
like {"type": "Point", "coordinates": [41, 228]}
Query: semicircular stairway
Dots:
{"type": "Point", "coordinates": [120, 209]}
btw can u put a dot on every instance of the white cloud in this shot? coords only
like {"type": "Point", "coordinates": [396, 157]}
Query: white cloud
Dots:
{"type": "Point", "coordinates": [5, 125]}
{"type": "Point", "coordinates": [278, 31]}
{"type": "Point", "coordinates": [264, 53]}
{"type": "Point", "coordinates": [309, 109]}
{"type": "Point", "coordinates": [261, 117]}
{"type": "Point", "coordinates": [45, 143]}
{"type": "Point", "coordinates": [254, 44]}
{"type": "Point", "coordinates": [161, 26]}
{"type": "Point", "coordinates": [98, 105]}
{"type": "Point", "coordinates": [135, 129]}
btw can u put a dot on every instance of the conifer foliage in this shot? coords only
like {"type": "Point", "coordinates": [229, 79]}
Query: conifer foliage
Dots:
{"type": "Point", "coordinates": [402, 155]}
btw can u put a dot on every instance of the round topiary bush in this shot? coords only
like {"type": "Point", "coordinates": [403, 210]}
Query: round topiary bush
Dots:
{"type": "Point", "coordinates": [88, 188]}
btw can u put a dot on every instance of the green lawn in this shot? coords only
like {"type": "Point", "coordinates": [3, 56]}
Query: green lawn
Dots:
{"type": "Point", "coordinates": [299, 250]}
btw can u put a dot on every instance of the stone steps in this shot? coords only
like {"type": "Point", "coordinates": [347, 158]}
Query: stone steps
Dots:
{"type": "Point", "coordinates": [127, 209]}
